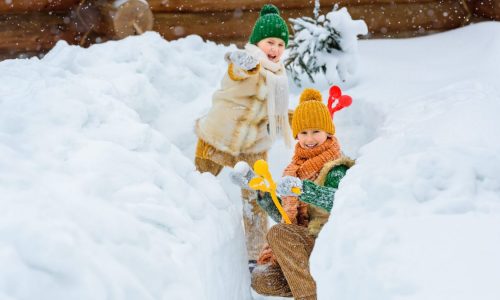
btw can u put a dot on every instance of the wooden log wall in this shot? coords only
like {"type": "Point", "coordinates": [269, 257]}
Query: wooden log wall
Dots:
{"type": "Point", "coordinates": [22, 6]}
{"type": "Point", "coordinates": [30, 27]}
{"type": "Point", "coordinates": [489, 9]}
{"type": "Point", "coordinates": [33, 26]}
{"type": "Point", "coordinates": [232, 21]}
{"type": "Point", "coordinates": [27, 34]}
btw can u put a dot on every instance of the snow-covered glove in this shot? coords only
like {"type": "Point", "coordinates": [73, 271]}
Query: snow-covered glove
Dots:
{"type": "Point", "coordinates": [243, 60]}
{"type": "Point", "coordinates": [285, 185]}
{"type": "Point", "coordinates": [241, 175]}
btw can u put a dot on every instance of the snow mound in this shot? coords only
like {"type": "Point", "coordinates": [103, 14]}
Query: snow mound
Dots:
{"type": "Point", "coordinates": [418, 216]}
{"type": "Point", "coordinates": [98, 201]}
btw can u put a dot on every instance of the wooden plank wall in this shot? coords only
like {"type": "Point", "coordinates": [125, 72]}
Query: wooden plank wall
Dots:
{"type": "Point", "coordinates": [232, 21]}
{"type": "Point", "coordinates": [22, 6]}
{"type": "Point", "coordinates": [489, 9]}
{"type": "Point", "coordinates": [29, 27]}
{"type": "Point", "coordinates": [28, 34]}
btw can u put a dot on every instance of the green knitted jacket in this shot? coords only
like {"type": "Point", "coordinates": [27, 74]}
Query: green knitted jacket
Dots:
{"type": "Point", "coordinates": [320, 194]}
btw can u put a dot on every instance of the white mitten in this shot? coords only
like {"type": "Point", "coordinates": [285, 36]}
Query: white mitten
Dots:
{"type": "Point", "coordinates": [242, 174]}
{"type": "Point", "coordinates": [285, 185]}
{"type": "Point", "coordinates": [243, 60]}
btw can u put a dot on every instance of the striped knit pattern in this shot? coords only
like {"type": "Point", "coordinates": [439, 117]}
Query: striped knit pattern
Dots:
{"type": "Point", "coordinates": [311, 113]}
{"type": "Point", "coordinates": [269, 24]}
{"type": "Point", "coordinates": [292, 247]}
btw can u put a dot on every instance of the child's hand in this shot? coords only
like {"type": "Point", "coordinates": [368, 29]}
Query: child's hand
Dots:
{"type": "Point", "coordinates": [285, 185]}
{"type": "Point", "coordinates": [243, 60]}
{"type": "Point", "coordinates": [241, 175]}
{"type": "Point", "coordinates": [266, 256]}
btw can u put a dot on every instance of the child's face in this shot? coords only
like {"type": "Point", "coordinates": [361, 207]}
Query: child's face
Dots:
{"type": "Point", "coordinates": [310, 138]}
{"type": "Point", "coordinates": [272, 47]}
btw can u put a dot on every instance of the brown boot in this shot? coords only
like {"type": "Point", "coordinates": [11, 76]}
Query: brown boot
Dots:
{"type": "Point", "coordinates": [269, 280]}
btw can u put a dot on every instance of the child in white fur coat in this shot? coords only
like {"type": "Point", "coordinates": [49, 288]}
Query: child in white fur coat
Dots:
{"type": "Point", "coordinates": [249, 111]}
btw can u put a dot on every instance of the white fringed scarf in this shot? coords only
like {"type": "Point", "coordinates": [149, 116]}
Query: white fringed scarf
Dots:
{"type": "Point", "coordinates": [277, 95]}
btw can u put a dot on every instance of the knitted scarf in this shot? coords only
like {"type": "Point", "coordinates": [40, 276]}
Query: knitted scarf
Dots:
{"type": "Point", "coordinates": [306, 164]}
{"type": "Point", "coordinates": [277, 95]}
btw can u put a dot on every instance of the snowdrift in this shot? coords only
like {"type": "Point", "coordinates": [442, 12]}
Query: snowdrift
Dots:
{"type": "Point", "coordinates": [99, 198]}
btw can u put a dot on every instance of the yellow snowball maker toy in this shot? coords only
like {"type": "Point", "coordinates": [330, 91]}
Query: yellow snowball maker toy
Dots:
{"type": "Point", "coordinates": [261, 169]}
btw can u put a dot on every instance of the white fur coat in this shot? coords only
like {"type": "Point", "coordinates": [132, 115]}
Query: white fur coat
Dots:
{"type": "Point", "coordinates": [238, 121]}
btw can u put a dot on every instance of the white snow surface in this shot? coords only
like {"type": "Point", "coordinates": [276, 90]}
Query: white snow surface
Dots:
{"type": "Point", "coordinates": [99, 197]}
{"type": "Point", "coordinates": [418, 217]}
{"type": "Point", "coordinates": [96, 201]}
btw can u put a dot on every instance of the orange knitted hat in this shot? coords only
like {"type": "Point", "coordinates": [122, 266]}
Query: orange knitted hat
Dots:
{"type": "Point", "coordinates": [311, 113]}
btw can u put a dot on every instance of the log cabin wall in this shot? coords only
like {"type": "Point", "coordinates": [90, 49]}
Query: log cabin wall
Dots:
{"type": "Point", "coordinates": [488, 9]}
{"type": "Point", "coordinates": [232, 20]}
{"type": "Point", "coordinates": [30, 27]}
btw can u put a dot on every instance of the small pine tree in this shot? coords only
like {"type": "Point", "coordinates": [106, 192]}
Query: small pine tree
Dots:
{"type": "Point", "coordinates": [317, 46]}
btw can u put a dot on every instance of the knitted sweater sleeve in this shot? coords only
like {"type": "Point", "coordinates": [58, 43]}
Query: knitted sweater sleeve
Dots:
{"type": "Point", "coordinates": [323, 196]}
{"type": "Point", "coordinates": [265, 201]}
{"type": "Point", "coordinates": [291, 206]}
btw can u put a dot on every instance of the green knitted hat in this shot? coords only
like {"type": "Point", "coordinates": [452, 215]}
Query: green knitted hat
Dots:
{"type": "Point", "coordinates": [269, 24]}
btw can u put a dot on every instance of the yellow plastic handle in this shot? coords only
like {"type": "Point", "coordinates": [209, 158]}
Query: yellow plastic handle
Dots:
{"type": "Point", "coordinates": [261, 168]}
{"type": "Point", "coordinates": [258, 184]}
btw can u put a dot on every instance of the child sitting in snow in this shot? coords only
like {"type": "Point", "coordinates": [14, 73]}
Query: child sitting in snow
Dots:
{"type": "Point", "coordinates": [249, 111]}
{"type": "Point", "coordinates": [316, 168]}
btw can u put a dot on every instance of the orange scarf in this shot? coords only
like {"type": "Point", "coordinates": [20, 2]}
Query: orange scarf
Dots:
{"type": "Point", "coordinates": [306, 164]}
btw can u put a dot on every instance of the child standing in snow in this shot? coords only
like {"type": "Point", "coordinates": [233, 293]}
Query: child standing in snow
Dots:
{"type": "Point", "coordinates": [316, 168]}
{"type": "Point", "coordinates": [249, 111]}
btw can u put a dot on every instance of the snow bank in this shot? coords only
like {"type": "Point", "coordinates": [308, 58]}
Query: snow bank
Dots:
{"type": "Point", "coordinates": [97, 200]}
{"type": "Point", "coordinates": [418, 217]}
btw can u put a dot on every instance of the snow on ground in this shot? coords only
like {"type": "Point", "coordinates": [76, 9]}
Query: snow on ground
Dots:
{"type": "Point", "coordinates": [100, 199]}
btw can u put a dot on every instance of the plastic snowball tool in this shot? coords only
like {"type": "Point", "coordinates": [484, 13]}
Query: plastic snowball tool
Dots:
{"type": "Point", "coordinates": [258, 183]}
{"type": "Point", "coordinates": [342, 100]}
